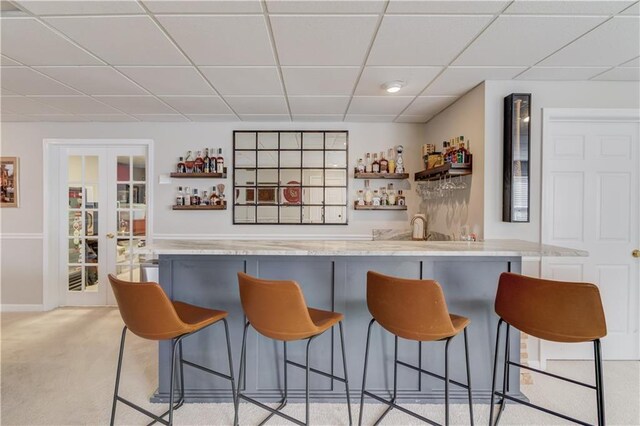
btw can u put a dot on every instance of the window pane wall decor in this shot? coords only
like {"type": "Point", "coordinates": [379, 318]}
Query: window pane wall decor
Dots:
{"type": "Point", "coordinates": [290, 177]}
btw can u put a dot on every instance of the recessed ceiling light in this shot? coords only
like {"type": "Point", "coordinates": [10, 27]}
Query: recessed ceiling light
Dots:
{"type": "Point", "coordinates": [393, 86]}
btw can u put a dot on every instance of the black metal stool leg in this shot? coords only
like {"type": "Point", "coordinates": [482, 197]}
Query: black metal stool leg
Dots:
{"type": "Point", "coordinates": [176, 345]}
{"type": "Point", "coordinates": [233, 387]}
{"type": "Point", "coordinates": [505, 376]}
{"type": "Point", "coordinates": [495, 373]}
{"type": "Point", "coordinates": [395, 381]}
{"type": "Point", "coordinates": [181, 400]}
{"type": "Point", "coordinates": [599, 381]}
{"type": "Point", "coordinates": [364, 373]}
{"type": "Point", "coordinates": [466, 355]}
{"type": "Point", "coordinates": [243, 354]}
{"type": "Point", "coordinates": [119, 369]}
{"type": "Point", "coordinates": [344, 368]}
{"type": "Point", "coordinates": [283, 401]}
{"type": "Point", "coordinates": [446, 382]}
{"type": "Point", "coordinates": [306, 391]}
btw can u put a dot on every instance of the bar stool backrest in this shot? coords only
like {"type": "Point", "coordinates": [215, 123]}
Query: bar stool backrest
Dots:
{"type": "Point", "coordinates": [551, 310]}
{"type": "Point", "coordinates": [276, 309]}
{"type": "Point", "coordinates": [411, 309]}
{"type": "Point", "coordinates": [146, 310]}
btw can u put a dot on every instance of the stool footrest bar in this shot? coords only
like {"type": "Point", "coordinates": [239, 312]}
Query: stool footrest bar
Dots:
{"type": "Point", "coordinates": [555, 376]}
{"type": "Point", "coordinates": [429, 373]}
{"type": "Point", "coordinates": [271, 410]}
{"type": "Point", "coordinates": [404, 410]}
{"type": "Point", "coordinates": [313, 370]}
{"type": "Point", "coordinates": [143, 411]}
{"type": "Point", "coordinates": [207, 370]}
{"type": "Point", "coordinates": [546, 410]}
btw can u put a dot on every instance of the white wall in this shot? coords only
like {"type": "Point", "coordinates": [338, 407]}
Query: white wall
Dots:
{"type": "Point", "coordinates": [22, 227]}
{"type": "Point", "coordinates": [465, 207]}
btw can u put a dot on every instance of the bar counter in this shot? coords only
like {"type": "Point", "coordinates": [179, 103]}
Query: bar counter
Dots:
{"type": "Point", "coordinates": [332, 275]}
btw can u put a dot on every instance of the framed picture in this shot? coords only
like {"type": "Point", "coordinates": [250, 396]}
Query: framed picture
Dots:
{"type": "Point", "coordinates": [9, 181]}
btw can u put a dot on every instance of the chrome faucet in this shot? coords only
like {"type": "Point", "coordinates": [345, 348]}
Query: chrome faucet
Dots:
{"type": "Point", "coordinates": [425, 228]}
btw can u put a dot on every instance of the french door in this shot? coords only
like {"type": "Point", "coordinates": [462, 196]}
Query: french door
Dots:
{"type": "Point", "coordinates": [103, 221]}
{"type": "Point", "coordinates": [591, 201]}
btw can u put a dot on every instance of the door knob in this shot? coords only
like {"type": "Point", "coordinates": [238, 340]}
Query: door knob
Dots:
{"type": "Point", "coordinates": [635, 253]}
{"type": "Point", "coordinates": [110, 235]}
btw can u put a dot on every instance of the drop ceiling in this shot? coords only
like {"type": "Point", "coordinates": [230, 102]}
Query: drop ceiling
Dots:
{"type": "Point", "coordinates": [283, 60]}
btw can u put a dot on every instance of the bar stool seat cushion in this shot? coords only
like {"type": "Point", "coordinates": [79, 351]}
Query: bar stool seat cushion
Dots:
{"type": "Point", "coordinates": [459, 322]}
{"type": "Point", "coordinates": [324, 320]}
{"type": "Point", "coordinates": [196, 317]}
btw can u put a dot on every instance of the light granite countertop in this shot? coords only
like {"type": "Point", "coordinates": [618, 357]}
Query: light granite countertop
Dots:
{"type": "Point", "coordinates": [504, 248]}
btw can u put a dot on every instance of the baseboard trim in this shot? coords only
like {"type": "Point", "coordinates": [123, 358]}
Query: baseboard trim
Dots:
{"type": "Point", "coordinates": [276, 237]}
{"type": "Point", "coordinates": [21, 308]}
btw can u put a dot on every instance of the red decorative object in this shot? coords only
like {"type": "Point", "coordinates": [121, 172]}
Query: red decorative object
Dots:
{"type": "Point", "coordinates": [292, 194]}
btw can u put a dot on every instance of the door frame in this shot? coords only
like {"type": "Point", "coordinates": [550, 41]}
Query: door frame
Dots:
{"type": "Point", "coordinates": [51, 204]}
{"type": "Point", "coordinates": [549, 115]}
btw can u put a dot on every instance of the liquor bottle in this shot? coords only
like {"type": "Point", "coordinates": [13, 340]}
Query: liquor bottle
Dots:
{"type": "Point", "coordinates": [187, 196]}
{"type": "Point", "coordinates": [212, 161]}
{"type": "Point", "coordinates": [384, 197]}
{"type": "Point", "coordinates": [384, 164]}
{"type": "Point", "coordinates": [392, 160]}
{"type": "Point", "coordinates": [400, 199]}
{"type": "Point", "coordinates": [368, 166]}
{"type": "Point", "coordinates": [199, 163]}
{"type": "Point", "coordinates": [207, 161]}
{"type": "Point", "coordinates": [368, 195]}
{"type": "Point", "coordinates": [376, 198]}
{"type": "Point", "coordinates": [360, 168]}
{"type": "Point", "coordinates": [181, 168]}
{"type": "Point", "coordinates": [360, 197]}
{"type": "Point", "coordinates": [220, 162]}
{"type": "Point", "coordinates": [205, 198]}
{"type": "Point", "coordinates": [375, 166]}
{"type": "Point", "coordinates": [188, 162]}
{"type": "Point", "coordinates": [392, 195]}
{"type": "Point", "coordinates": [213, 198]}
{"type": "Point", "coordinates": [180, 197]}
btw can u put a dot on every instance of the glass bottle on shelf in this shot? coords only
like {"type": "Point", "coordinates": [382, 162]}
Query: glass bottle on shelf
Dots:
{"type": "Point", "coordinates": [384, 164]}
{"type": "Point", "coordinates": [368, 195]}
{"type": "Point", "coordinates": [188, 162]}
{"type": "Point", "coordinates": [375, 166]}
{"type": "Point", "coordinates": [384, 197]}
{"type": "Point", "coordinates": [187, 196]}
{"type": "Point", "coordinates": [220, 162]}
{"type": "Point", "coordinates": [376, 198]}
{"type": "Point", "coordinates": [180, 167]}
{"type": "Point", "coordinates": [207, 161]}
{"type": "Point", "coordinates": [213, 198]}
{"type": "Point", "coordinates": [205, 198]}
{"type": "Point", "coordinates": [392, 195]}
{"type": "Point", "coordinates": [360, 197]}
{"type": "Point", "coordinates": [198, 163]}
{"type": "Point", "coordinates": [180, 197]}
{"type": "Point", "coordinates": [195, 200]}
{"type": "Point", "coordinates": [369, 165]}
{"type": "Point", "coordinates": [400, 199]}
{"type": "Point", "coordinates": [391, 161]}
{"type": "Point", "coordinates": [360, 168]}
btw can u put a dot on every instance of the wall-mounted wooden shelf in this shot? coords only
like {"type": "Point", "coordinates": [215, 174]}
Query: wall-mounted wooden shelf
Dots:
{"type": "Point", "coordinates": [217, 207]}
{"type": "Point", "coordinates": [437, 173]}
{"type": "Point", "coordinates": [357, 207]}
{"type": "Point", "coordinates": [200, 175]}
{"type": "Point", "coordinates": [360, 175]}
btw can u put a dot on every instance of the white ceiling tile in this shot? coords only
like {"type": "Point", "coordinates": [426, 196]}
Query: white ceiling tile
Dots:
{"type": "Point", "coordinates": [93, 80]}
{"type": "Point", "coordinates": [15, 118]}
{"type": "Point", "coordinates": [212, 117]}
{"type": "Point", "coordinates": [76, 104]}
{"type": "Point", "coordinates": [22, 105]}
{"type": "Point", "coordinates": [524, 40]}
{"type": "Point", "coordinates": [52, 118]}
{"type": "Point", "coordinates": [404, 118]}
{"type": "Point", "coordinates": [378, 105]}
{"type": "Point", "coordinates": [169, 80]}
{"type": "Point", "coordinates": [632, 63]}
{"type": "Point", "coordinates": [459, 80]}
{"type": "Point", "coordinates": [415, 79]}
{"type": "Point", "coordinates": [30, 42]}
{"type": "Point", "coordinates": [364, 118]}
{"type": "Point", "coordinates": [423, 40]}
{"type": "Point", "coordinates": [318, 118]}
{"type": "Point", "coordinates": [633, 10]}
{"type": "Point", "coordinates": [608, 45]}
{"type": "Point", "coordinates": [319, 81]}
{"type": "Point", "coordinates": [620, 74]}
{"type": "Point", "coordinates": [75, 7]}
{"type": "Point", "coordinates": [108, 118]}
{"type": "Point", "coordinates": [436, 6]}
{"type": "Point", "coordinates": [26, 81]}
{"type": "Point", "coordinates": [132, 40]}
{"type": "Point", "coordinates": [244, 80]}
{"type": "Point", "coordinates": [318, 104]}
{"type": "Point", "coordinates": [427, 106]}
{"type": "Point", "coordinates": [222, 40]}
{"type": "Point", "coordinates": [197, 104]}
{"type": "Point", "coordinates": [137, 104]}
{"type": "Point", "coordinates": [244, 105]}
{"type": "Point", "coordinates": [559, 73]}
{"type": "Point", "coordinates": [7, 61]}
{"type": "Point", "coordinates": [546, 7]}
{"type": "Point", "coordinates": [161, 117]}
{"type": "Point", "coordinates": [200, 6]}
{"type": "Point", "coordinates": [322, 40]}
{"type": "Point", "coordinates": [325, 6]}
{"type": "Point", "coordinates": [265, 117]}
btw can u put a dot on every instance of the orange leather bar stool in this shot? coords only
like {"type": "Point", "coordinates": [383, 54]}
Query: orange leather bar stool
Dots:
{"type": "Point", "coordinates": [277, 310]}
{"type": "Point", "coordinates": [557, 311]}
{"type": "Point", "coordinates": [414, 310]}
{"type": "Point", "coordinates": [148, 313]}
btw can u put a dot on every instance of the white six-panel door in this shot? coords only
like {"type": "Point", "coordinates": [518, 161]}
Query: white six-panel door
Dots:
{"type": "Point", "coordinates": [590, 201]}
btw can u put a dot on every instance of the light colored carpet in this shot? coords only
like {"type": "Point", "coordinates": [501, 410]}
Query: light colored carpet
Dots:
{"type": "Point", "coordinates": [58, 369]}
